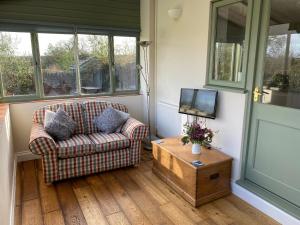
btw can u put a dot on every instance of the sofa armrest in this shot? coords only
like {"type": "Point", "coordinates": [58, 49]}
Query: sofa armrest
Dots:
{"type": "Point", "coordinates": [134, 129]}
{"type": "Point", "coordinates": [40, 141]}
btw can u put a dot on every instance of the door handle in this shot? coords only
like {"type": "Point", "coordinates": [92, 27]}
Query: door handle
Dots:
{"type": "Point", "coordinates": [256, 94]}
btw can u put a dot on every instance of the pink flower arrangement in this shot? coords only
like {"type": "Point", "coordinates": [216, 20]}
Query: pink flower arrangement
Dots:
{"type": "Point", "coordinates": [197, 134]}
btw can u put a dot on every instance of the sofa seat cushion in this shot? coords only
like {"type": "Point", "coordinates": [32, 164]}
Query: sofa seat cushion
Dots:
{"type": "Point", "coordinates": [109, 142]}
{"type": "Point", "coordinates": [78, 145]}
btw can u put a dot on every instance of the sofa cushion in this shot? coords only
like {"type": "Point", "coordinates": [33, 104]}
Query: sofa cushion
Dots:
{"type": "Point", "coordinates": [109, 142]}
{"type": "Point", "coordinates": [73, 109]}
{"type": "Point", "coordinates": [78, 145]}
{"type": "Point", "coordinates": [93, 109]}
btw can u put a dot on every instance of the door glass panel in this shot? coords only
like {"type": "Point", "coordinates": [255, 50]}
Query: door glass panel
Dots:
{"type": "Point", "coordinates": [230, 42]}
{"type": "Point", "coordinates": [281, 82]}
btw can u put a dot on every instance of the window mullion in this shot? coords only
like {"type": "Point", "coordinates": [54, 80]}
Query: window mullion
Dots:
{"type": "Point", "coordinates": [76, 56]}
{"type": "Point", "coordinates": [112, 70]}
{"type": "Point", "coordinates": [1, 86]}
{"type": "Point", "coordinates": [37, 65]}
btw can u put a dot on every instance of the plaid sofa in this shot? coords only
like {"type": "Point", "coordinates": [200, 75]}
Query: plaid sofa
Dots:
{"type": "Point", "coordinates": [88, 151]}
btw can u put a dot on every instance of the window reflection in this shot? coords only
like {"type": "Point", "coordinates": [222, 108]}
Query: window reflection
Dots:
{"type": "Point", "coordinates": [229, 42]}
{"type": "Point", "coordinates": [281, 81]}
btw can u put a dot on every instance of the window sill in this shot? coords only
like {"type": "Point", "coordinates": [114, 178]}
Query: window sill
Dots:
{"type": "Point", "coordinates": [228, 89]}
{"type": "Point", "coordinates": [71, 98]}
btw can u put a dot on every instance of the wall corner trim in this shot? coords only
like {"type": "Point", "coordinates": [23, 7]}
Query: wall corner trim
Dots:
{"type": "Point", "coordinates": [13, 193]}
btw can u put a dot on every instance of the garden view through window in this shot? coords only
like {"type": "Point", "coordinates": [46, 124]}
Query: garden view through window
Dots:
{"type": "Point", "coordinates": [66, 64]}
{"type": "Point", "coordinates": [58, 64]}
{"type": "Point", "coordinates": [94, 63]}
{"type": "Point", "coordinates": [16, 64]}
{"type": "Point", "coordinates": [125, 63]}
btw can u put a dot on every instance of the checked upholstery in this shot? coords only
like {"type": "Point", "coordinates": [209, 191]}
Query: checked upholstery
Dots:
{"type": "Point", "coordinates": [88, 151]}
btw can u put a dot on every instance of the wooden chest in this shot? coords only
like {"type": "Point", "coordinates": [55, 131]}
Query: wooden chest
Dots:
{"type": "Point", "coordinates": [198, 185]}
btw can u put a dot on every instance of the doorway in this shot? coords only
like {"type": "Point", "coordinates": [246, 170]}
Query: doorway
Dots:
{"type": "Point", "coordinates": [272, 162]}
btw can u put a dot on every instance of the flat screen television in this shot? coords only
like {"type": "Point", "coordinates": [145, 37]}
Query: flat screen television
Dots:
{"type": "Point", "coordinates": [198, 102]}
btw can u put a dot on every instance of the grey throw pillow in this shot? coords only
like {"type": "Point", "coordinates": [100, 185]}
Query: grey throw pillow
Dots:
{"type": "Point", "coordinates": [126, 117]}
{"type": "Point", "coordinates": [49, 115]}
{"type": "Point", "coordinates": [110, 120]}
{"type": "Point", "coordinates": [60, 126]}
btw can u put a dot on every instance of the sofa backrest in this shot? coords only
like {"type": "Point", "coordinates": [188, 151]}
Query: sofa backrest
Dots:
{"type": "Point", "coordinates": [74, 109]}
{"type": "Point", "coordinates": [82, 113]}
{"type": "Point", "coordinates": [95, 108]}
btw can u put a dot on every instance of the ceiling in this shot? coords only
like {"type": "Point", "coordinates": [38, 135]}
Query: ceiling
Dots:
{"type": "Point", "coordinates": [285, 11]}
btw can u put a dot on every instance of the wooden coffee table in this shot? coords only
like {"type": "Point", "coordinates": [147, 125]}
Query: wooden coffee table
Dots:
{"type": "Point", "coordinates": [197, 185]}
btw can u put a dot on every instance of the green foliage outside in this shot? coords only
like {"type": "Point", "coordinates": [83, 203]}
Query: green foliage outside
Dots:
{"type": "Point", "coordinates": [61, 55]}
{"type": "Point", "coordinates": [16, 71]}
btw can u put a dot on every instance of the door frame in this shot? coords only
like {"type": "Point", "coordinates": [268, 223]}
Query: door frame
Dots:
{"type": "Point", "coordinates": [259, 30]}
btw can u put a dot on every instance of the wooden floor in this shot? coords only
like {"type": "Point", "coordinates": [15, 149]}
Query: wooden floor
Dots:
{"type": "Point", "coordinates": [126, 196]}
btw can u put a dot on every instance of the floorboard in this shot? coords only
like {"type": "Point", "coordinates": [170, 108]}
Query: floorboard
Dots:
{"type": "Point", "coordinates": [145, 202]}
{"type": "Point", "coordinates": [29, 185]}
{"type": "Point", "coordinates": [106, 200]}
{"type": "Point", "coordinates": [129, 207]}
{"type": "Point", "coordinates": [118, 219]}
{"type": "Point", "coordinates": [89, 206]}
{"type": "Point", "coordinates": [69, 204]}
{"type": "Point", "coordinates": [32, 213]}
{"type": "Point", "coordinates": [129, 196]}
{"type": "Point", "coordinates": [54, 218]}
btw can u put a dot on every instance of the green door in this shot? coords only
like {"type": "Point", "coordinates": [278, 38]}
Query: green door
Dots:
{"type": "Point", "coordinates": [273, 160]}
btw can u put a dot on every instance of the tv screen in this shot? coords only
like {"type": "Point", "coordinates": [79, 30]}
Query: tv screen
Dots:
{"type": "Point", "coordinates": [198, 102]}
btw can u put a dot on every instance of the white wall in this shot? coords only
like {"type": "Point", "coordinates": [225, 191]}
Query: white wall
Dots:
{"type": "Point", "coordinates": [181, 56]}
{"type": "Point", "coordinates": [181, 63]}
{"type": "Point", "coordinates": [6, 168]}
{"type": "Point", "coordinates": [21, 116]}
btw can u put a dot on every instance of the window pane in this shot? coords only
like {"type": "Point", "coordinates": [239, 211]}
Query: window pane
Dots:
{"type": "Point", "coordinates": [125, 63]}
{"type": "Point", "coordinates": [229, 42]}
{"type": "Point", "coordinates": [94, 63]}
{"type": "Point", "coordinates": [281, 79]}
{"type": "Point", "coordinates": [58, 64]}
{"type": "Point", "coordinates": [16, 64]}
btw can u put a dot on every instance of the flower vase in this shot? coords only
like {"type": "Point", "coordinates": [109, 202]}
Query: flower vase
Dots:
{"type": "Point", "coordinates": [196, 149]}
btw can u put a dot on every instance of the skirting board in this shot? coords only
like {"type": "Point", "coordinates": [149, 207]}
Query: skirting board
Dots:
{"type": "Point", "coordinates": [264, 206]}
{"type": "Point", "coordinates": [26, 156]}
